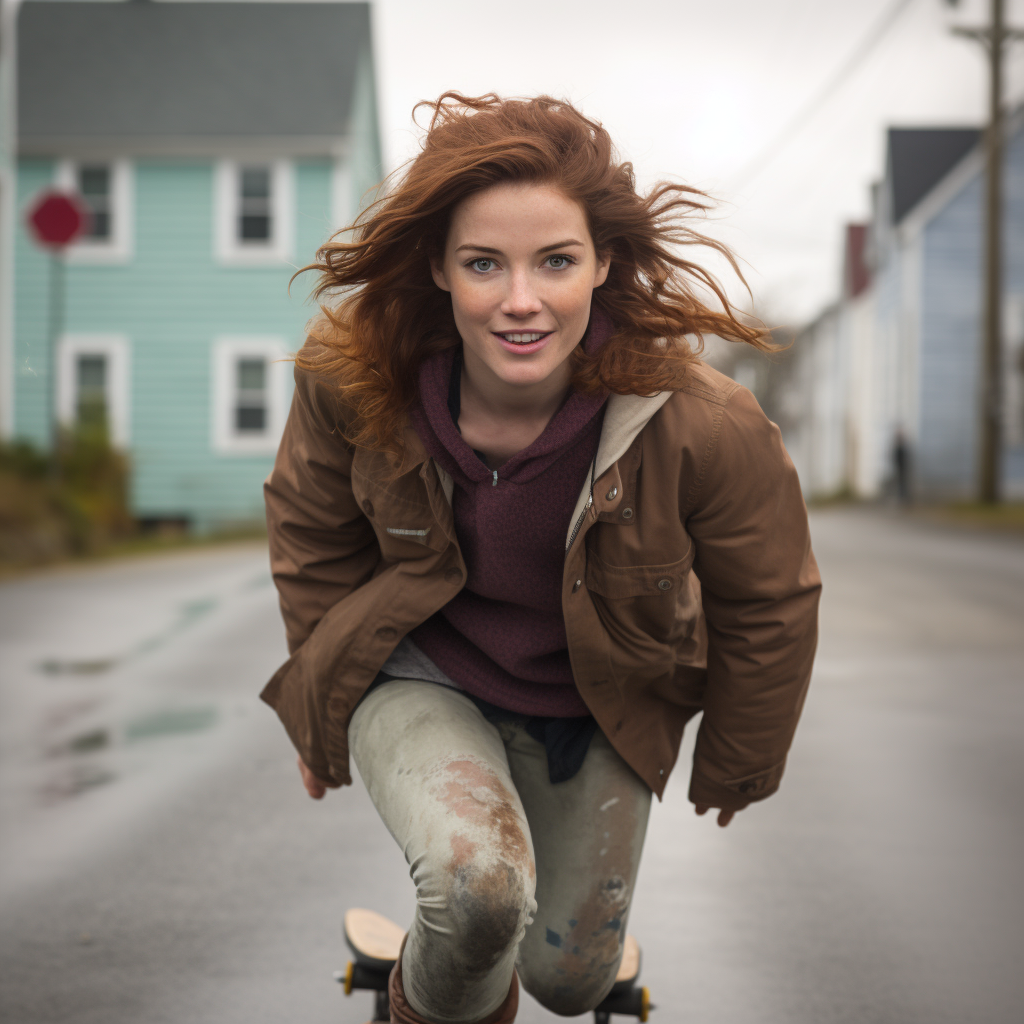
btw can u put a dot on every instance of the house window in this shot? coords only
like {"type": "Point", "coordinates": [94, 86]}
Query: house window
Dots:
{"type": "Point", "coordinates": [91, 389]}
{"type": "Point", "coordinates": [94, 183]}
{"type": "Point", "coordinates": [255, 218]}
{"type": "Point", "coordinates": [105, 189]}
{"type": "Point", "coordinates": [92, 383]}
{"type": "Point", "coordinates": [250, 394]}
{"type": "Point", "coordinates": [253, 211]}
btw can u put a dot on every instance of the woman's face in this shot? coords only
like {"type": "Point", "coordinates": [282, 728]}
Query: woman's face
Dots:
{"type": "Point", "coordinates": [521, 267]}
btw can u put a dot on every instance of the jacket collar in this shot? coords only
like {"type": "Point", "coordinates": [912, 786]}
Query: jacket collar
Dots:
{"type": "Point", "coordinates": [624, 417]}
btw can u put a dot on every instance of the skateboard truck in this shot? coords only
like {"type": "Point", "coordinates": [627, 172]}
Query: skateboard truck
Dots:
{"type": "Point", "coordinates": [375, 942]}
{"type": "Point", "coordinates": [626, 997]}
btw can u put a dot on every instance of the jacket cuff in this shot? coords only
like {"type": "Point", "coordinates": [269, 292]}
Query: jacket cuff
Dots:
{"type": "Point", "coordinates": [301, 722]}
{"type": "Point", "coordinates": [735, 794]}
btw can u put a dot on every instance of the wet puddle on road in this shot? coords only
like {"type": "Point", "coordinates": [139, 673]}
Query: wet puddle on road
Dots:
{"type": "Point", "coordinates": [171, 721]}
{"type": "Point", "coordinates": [71, 783]}
{"type": "Point", "coordinates": [188, 615]}
{"type": "Point", "coordinates": [87, 759]}
{"type": "Point", "coordinates": [94, 739]}
{"type": "Point", "coordinates": [53, 667]}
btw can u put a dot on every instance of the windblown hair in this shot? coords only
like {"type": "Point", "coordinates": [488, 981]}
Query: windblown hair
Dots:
{"type": "Point", "coordinates": [391, 314]}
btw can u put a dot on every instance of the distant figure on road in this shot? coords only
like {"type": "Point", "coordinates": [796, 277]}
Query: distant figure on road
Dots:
{"type": "Point", "coordinates": [901, 466]}
{"type": "Point", "coordinates": [522, 535]}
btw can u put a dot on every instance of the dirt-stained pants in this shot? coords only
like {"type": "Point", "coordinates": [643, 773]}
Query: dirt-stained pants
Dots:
{"type": "Point", "coordinates": [510, 870]}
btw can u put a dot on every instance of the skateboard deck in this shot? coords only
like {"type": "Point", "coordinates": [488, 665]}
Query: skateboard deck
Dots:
{"type": "Point", "coordinates": [629, 968]}
{"type": "Point", "coordinates": [376, 941]}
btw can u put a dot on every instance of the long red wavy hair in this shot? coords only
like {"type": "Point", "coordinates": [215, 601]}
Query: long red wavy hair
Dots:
{"type": "Point", "coordinates": [391, 315]}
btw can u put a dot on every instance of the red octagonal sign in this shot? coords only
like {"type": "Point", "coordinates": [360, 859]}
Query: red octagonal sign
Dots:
{"type": "Point", "coordinates": [56, 219]}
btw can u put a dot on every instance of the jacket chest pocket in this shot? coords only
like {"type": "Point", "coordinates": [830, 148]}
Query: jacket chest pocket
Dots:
{"type": "Point", "coordinates": [400, 514]}
{"type": "Point", "coordinates": [404, 539]}
{"type": "Point", "coordinates": [650, 599]}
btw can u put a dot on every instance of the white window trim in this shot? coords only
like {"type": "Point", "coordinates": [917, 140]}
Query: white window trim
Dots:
{"type": "Point", "coordinates": [116, 348]}
{"type": "Point", "coordinates": [227, 249]}
{"type": "Point", "coordinates": [227, 350]}
{"type": "Point", "coordinates": [120, 246]}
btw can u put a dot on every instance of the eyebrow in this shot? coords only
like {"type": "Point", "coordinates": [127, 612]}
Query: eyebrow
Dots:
{"type": "Point", "coordinates": [497, 252]}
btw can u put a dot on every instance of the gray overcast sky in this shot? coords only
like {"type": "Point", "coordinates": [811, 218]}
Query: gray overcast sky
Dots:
{"type": "Point", "coordinates": [695, 90]}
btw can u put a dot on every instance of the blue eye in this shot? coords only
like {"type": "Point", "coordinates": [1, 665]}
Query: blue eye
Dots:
{"type": "Point", "coordinates": [482, 265]}
{"type": "Point", "coordinates": [560, 262]}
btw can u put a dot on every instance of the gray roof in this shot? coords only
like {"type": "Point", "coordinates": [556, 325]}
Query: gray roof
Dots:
{"type": "Point", "coordinates": [919, 158]}
{"type": "Point", "coordinates": [143, 77]}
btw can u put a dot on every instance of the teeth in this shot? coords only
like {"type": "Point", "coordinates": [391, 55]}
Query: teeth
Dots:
{"type": "Point", "coordinates": [523, 339]}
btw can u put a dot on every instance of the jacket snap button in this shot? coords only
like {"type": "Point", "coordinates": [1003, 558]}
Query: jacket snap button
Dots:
{"type": "Point", "coordinates": [612, 494]}
{"type": "Point", "coordinates": [387, 632]}
{"type": "Point", "coordinates": [576, 586]}
{"type": "Point", "coordinates": [661, 771]}
{"type": "Point", "coordinates": [664, 584]}
{"type": "Point", "coordinates": [368, 507]}
{"type": "Point", "coordinates": [627, 513]}
{"type": "Point", "coordinates": [453, 574]}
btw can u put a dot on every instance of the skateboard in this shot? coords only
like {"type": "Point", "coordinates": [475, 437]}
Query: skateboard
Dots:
{"type": "Point", "coordinates": [375, 942]}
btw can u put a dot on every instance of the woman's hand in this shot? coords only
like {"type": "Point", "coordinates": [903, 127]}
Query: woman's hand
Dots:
{"type": "Point", "coordinates": [314, 787]}
{"type": "Point", "coordinates": [724, 817]}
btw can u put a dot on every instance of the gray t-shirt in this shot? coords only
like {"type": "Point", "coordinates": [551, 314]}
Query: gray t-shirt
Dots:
{"type": "Point", "coordinates": [407, 661]}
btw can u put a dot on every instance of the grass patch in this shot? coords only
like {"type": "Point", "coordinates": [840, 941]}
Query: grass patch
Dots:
{"type": "Point", "coordinates": [72, 505]}
{"type": "Point", "coordinates": [137, 545]}
{"type": "Point", "coordinates": [1007, 516]}
{"type": "Point", "coordinates": [842, 496]}
{"type": "Point", "coordinates": [57, 505]}
{"type": "Point", "coordinates": [146, 543]}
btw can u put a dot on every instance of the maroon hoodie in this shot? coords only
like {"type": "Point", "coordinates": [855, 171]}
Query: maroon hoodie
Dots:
{"type": "Point", "coordinates": [502, 637]}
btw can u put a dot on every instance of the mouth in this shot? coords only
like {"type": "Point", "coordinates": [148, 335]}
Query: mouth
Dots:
{"type": "Point", "coordinates": [522, 337]}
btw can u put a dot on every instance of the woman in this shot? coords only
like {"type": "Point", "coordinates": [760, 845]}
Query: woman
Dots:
{"type": "Point", "coordinates": [521, 535]}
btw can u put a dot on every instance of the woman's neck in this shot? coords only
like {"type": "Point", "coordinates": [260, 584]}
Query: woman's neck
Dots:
{"type": "Point", "coordinates": [501, 419]}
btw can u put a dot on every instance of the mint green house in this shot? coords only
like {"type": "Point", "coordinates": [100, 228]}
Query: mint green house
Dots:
{"type": "Point", "coordinates": [216, 145]}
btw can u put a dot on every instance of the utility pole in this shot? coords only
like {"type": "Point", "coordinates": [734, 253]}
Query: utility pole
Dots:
{"type": "Point", "coordinates": [994, 38]}
{"type": "Point", "coordinates": [8, 177]}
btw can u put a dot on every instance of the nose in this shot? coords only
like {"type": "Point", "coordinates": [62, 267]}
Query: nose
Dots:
{"type": "Point", "coordinates": [521, 299]}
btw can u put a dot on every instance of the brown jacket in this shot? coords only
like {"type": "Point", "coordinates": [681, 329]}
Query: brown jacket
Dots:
{"type": "Point", "coordinates": [689, 582]}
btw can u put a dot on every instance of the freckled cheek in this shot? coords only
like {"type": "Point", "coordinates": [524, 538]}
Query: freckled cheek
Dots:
{"type": "Point", "coordinates": [572, 309]}
{"type": "Point", "coordinates": [571, 297]}
{"type": "Point", "coordinates": [474, 306]}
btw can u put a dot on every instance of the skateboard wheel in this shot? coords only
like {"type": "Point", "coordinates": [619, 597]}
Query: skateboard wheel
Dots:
{"type": "Point", "coordinates": [349, 972]}
{"type": "Point", "coordinates": [645, 1003]}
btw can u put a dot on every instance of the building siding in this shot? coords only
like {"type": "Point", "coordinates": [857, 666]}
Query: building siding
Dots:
{"type": "Point", "coordinates": [951, 311]}
{"type": "Point", "coordinates": [367, 168]}
{"type": "Point", "coordinates": [879, 432]}
{"type": "Point", "coordinates": [950, 357]}
{"type": "Point", "coordinates": [33, 268]}
{"type": "Point", "coordinates": [171, 300]}
{"type": "Point", "coordinates": [1013, 291]}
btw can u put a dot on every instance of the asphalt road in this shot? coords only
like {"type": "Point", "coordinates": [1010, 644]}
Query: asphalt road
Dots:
{"type": "Point", "coordinates": [159, 862]}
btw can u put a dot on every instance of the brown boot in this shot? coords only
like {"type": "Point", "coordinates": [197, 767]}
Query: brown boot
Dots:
{"type": "Point", "coordinates": [403, 1013]}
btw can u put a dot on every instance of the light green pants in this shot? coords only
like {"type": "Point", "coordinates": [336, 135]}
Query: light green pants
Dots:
{"type": "Point", "coordinates": [510, 870]}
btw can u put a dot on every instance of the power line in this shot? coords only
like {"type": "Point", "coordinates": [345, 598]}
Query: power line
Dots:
{"type": "Point", "coordinates": [874, 36]}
